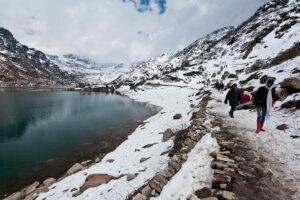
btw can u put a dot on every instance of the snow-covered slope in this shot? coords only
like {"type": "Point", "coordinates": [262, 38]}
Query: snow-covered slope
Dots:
{"type": "Point", "coordinates": [90, 72]}
{"type": "Point", "coordinates": [20, 65]}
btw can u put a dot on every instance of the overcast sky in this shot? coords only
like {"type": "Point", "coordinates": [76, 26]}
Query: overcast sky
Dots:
{"type": "Point", "coordinates": [119, 30]}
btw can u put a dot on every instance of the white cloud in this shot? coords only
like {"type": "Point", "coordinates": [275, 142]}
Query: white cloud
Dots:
{"type": "Point", "coordinates": [108, 30]}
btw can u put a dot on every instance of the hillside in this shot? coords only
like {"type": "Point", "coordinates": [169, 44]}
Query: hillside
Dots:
{"type": "Point", "coordinates": [192, 149]}
{"type": "Point", "coordinates": [24, 66]}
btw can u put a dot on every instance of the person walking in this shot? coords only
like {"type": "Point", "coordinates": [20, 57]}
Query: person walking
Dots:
{"type": "Point", "coordinates": [263, 99]}
{"type": "Point", "coordinates": [235, 98]}
{"type": "Point", "coordinates": [217, 85]}
{"type": "Point", "coordinates": [221, 87]}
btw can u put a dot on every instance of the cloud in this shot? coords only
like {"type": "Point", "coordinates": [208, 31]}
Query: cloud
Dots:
{"type": "Point", "coordinates": [119, 30]}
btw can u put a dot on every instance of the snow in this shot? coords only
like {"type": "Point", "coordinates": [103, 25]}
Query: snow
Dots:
{"type": "Point", "coordinates": [194, 174]}
{"type": "Point", "coordinates": [278, 147]}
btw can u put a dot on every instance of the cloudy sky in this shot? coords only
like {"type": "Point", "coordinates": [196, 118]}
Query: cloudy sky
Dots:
{"type": "Point", "coordinates": [119, 30]}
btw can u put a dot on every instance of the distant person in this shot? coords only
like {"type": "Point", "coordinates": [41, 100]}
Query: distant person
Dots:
{"type": "Point", "coordinates": [235, 98]}
{"type": "Point", "coordinates": [208, 82]}
{"type": "Point", "coordinates": [222, 87]}
{"type": "Point", "coordinates": [263, 98]}
{"type": "Point", "coordinates": [217, 85]}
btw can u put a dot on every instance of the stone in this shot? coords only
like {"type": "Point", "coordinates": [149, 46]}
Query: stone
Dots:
{"type": "Point", "coordinates": [264, 79]}
{"type": "Point", "coordinates": [49, 181]}
{"type": "Point", "coordinates": [221, 179]}
{"type": "Point", "coordinates": [229, 195]}
{"type": "Point", "coordinates": [168, 173]}
{"type": "Point", "coordinates": [139, 122]}
{"type": "Point", "coordinates": [131, 177]}
{"type": "Point", "coordinates": [110, 160]}
{"type": "Point", "coordinates": [223, 186]}
{"type": "Point", "coordinates": [177, 116]}
{"type": "Point", "coordinates": [30, 197]}
{"type": "Point", "coordinates": [86, 163]}
{"type": "Point", "coordinates": [173, 165]}
{"type": "Point", "coordinates": [203, 193]}
{"type": "Point", "coordinates": [31, 188]}
{"type": "Point", "coordinates": [155, 185]}
{"type": "Point", "coordinates": [75, 168]}
{"type": "Point", "coordinates": [210, 198]}
{"type": "Point", "coordinates": [147, 191]}
{"type": "Point", "coordinates": [94, 180]}
{"type": "Point", "coordinates": [193, 135]}
{"type": "Point", "coordinates": [73, 190]}
{"type": "Point", "coordinates": [227, 153]}
{"type": "Point", "coordinates": [184, 156]}
{"type": "Point", "coordinates": [291, 104]}
{"type": "Point", "coordinates": [167, 135]}
{"type": "Point", "coordinates": [149, 145]}
{"type": "Point", "coordinates": [291, 84]}
{"type": "Point", "coordinates": [153, 193]}
{"type": "Point", "coordinates": [161, 179]}
{"type": "Point", "coordinates": [223, 158]}
{"type": "Point", "coordinates": [42, 189]}
{"type": "Point", "coordinates": [139, 196]}
{"type": "Point", "coordinates": [237, 158]}
{"type": "Point", "coordinates": [216, 171]}
{"type": "Point", "coordinates": [190, 143]}
{"type": "Point", "coordinates": [97, 159]}
{"type": "Point", "coordinates": [282, 127]}
{"type": "Point", "coordinates": [144, 159]}
{"type": "Point", "coordinates": [216, 165]}
{"type": "Point", "coordinates": [213, 154]}
{"type": "Point", "coordinates": [15, 196]}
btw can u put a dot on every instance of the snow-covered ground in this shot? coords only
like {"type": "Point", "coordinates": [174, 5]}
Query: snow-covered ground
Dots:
{"type": "Point", "coordinates": [281, 151]}
{"type": "Point", "coordinates": [127, 156]}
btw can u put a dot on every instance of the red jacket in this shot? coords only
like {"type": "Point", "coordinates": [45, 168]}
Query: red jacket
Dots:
{"type": "Point", "coordinates": [246, 98]}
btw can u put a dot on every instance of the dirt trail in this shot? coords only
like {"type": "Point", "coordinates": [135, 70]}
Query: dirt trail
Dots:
{"type": "Point", "coordinates": [259, 175]}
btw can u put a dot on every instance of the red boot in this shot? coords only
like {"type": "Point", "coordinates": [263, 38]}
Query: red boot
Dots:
{"type": "Point", "coordinates": [258, 128]}
{"type": "Point", "coordinates": [261, 127]}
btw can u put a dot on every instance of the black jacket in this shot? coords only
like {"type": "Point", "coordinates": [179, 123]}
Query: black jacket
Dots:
{"type": "Point", "coordinates": [260, 97]}
{"type": "Point", "coordinates": [234, 97]}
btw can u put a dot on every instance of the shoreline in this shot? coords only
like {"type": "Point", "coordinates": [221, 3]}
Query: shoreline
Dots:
{"type": "Point", "coordinates": [122, 133]}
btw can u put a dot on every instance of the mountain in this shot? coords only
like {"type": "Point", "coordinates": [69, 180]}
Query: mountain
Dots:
{"type": "Point", "coordinates": [88, 71]}
{"type": "Point", "coordinates": [24, 66]}
{"type": "Point", "coordinates": [269, 37]}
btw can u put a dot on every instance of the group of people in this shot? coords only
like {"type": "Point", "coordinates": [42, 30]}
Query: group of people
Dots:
{"type": "Point", "coordinates": [219, 86]}
{"type": "Point", "coordinates": [263, 99]}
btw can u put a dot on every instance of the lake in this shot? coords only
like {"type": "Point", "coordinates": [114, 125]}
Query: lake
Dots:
{"type": "Point", "coordinates": [42, 134]}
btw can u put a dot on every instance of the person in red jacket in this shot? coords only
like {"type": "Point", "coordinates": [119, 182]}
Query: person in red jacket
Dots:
{"type": "Point", "coordinates": [263, 98]}
{"type": "Point", "coordinates": [246, 97]}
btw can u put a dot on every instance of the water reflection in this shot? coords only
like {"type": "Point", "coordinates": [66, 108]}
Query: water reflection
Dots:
{"type": "Point", "coordinates": [37, 126]}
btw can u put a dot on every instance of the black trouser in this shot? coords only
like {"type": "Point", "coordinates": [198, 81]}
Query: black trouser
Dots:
{"type": "Point", "coordinates": [261, 114]}
{"type": "Point", "coordinates": [232, 109]}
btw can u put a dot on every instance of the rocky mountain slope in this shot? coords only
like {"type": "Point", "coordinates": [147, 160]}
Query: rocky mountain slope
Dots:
{"type": "Point", "coordinates": [24, 66]}
{"type": "Point", "coordinates": [88, 71]}
{"type": "Point", "coordinates": [268, 38]}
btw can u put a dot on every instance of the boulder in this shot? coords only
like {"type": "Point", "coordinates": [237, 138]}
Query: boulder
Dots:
{"type": "Point", "coordinates": [139, 196]}
{"type": "Point", "coordinates": [203, 193]}
{"type": "Point", "coordinates": [291, 84]}
{"type": "Point", "coordinates": [282, 127]}
{"type": "Point", "coordinates": [75, 168]}
{"type": "Point", "coordinates": [147, 191]}
{"type": "Point", "coordinates": [15, 196]}
{"type": "Point", "coordinates": [49, 182]}
{"type": "Point", "coordinates": [94, 180]}
{"type": "Point", "coordinates": [291, 104]}
{"type": "Point", "coordinates": [144, 159]}
{"type": "Point", "coordinates": [87, 162]}
{"type": "Point", "coordinates": [177, 116]}
{"type": "Point", "coordinates": [131, 177]}
{"type": "Point", "coordinates": [264, 79]}
{"type": "Point", "coordinates": [232, 76]}
{"type": "Point", "coordinates": [28, 190]}
{"type": "Point", "coordinates": [229, 195]}
{"type": "Point", "coordinates": [167, 135]}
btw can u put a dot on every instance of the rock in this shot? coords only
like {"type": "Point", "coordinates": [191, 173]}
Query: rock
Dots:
{"type": "Point", "coordinates": [75, 168]}
{"type": "Point", "coordinates": [168, 172]}
{"type": "Point", "coordinates": [139, 196]}
{"type": "Point", "coordinates": [131, 177]}
{"type": "Point", "coordinates": [94, 180]}
{"type": "Point", "coordinates": [73, 190]}
{"type": "Point", "coordinates": [177, 116]}
{"type": "Point", "coordinates": [190, 143]}
{"type": "Point", "coordinates": [147, 191]}
{"type": "Point", "coordinates": [49, 181]}
{"type": "Point", "coordinates": [229, 195]}
{"type": "Point", "coordinates": [291, 104]}
{"type": "Point", "coordinates": [216, 171]}
{"type": "Point", "coordinates": [223, 158]}
{"type": "Point", "coordinates": [161, 179]}
{"type": "Point", "coordinates": [184, 156]}
{"type": "Point", "coordinates": [282, 94]}
{"type": "Point", "coordinates": [221, 179]}
{"type": "Point", "coordinates": [30, 197]}
{"type": "Point", "coordinates": [264, 79]}
{"type": "Point", "coordinates": [31, 188]}
{"type": "Point", "coordinates": [86, 163]}
{"type": "Point", "coordinates": [155, 185]}
{"type": "Point", "coordinates": [232, 76]}
{"type": "Point", "coordinates": [216, 165]}
{"type": "Point", "coordinates": [203, 193]}
{"type": "Point", "coordinates": [149, 145]}
{"type": "Point", "coordinates": [223, 186]}
{"type": "Point", "coordinates": [110, 160]}
{"type": "Point", "coordinates": [193, 135]}
{"type": "Point", "coordinates": [139, 122]}
{"type": "Point", "coordinates": [173, 165]}
{"type": "Point", "coordinates": [144, 159]}
{"type": "Point", "coordinates": [97, 159]}
{"type": "Point", "coordinates": [167, 135]}
{"type": "Point", "coordinates": [237, 158]}
{"type": "Point", "coordinates": [15, 196]}
{"type": "Point", "coordinates": [291, 84]}
{"type": "Point", "coordinates": [282, 127]}
{"type": "Point", "coordinates": [210, 198]}
{"type": "Point", "coordinates": [213, 154]}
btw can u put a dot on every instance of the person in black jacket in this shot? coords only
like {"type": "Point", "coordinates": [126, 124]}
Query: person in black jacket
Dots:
{"type": "Point", "coordinates": [235, 98]}
{"type": "Point", "coordinates": [263, 98]}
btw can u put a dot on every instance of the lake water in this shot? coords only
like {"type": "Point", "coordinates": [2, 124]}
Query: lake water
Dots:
{"type": "Point", "coordinates": [43, 133]}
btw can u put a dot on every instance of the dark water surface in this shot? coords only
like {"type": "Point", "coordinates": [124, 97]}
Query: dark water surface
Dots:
{"type": "Point", "coordinates": [43, 133]}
